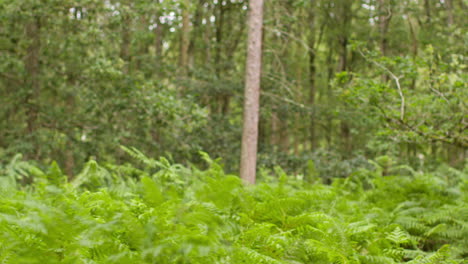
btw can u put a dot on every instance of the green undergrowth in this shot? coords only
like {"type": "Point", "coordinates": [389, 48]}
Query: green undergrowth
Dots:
{"type": "Point", "coordinates": [158, 212]}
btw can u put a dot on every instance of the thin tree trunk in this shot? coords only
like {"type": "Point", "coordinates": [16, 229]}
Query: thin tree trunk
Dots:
{"type": "Point", "coordinates": [297, 139]}
{"type": "Point", "coordinates": [32, 66]}
{"type": "Point", "coordinates": [158, 36]}
{"type": "Point", "coordinates": [142, 46]}
{"type": "Point", "coordinates": [414, 48]}
{"type": "Point", "coordinates": [219, 38]}
{"type": "Point", "coordinates": [343, 62]}
{"type": "Point", "coordinates": [69, 161]}
{"type": "Point", "coordinates": [312, 73]}
{"type": "Point", "coordinates": [284, 135]}
{"type": "Point", "coordinates": [427, 9]}
{"type": "Point", "coordinates": [343, 66]}
{"type": "Point", "coordinates": [449, 7]}
{"type": "Point", "coordinates": [248, 162]}
{"type": "Point", "coordinates": [125, 44]}
{"type": "Point", "coordinates": [158, 40]}
{"type": "Point", "coordinates": [329, 93]}
{"type": "Point", "coordinates": [385, 15]}
{"type": "Point", "coordinates": [195, 32]}
{"type": "Point", "coordinates": [207, 37]}
{"type": "Point", "coordinates": [274, 136]}
{"type": "Point", "coordinates": [185, 38]}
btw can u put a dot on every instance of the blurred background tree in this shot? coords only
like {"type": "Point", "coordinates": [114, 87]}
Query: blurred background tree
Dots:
{"type": "Point", "coordinates": [342, 81]}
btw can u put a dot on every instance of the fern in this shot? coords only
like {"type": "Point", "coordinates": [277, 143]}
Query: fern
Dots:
{"type": "Point", "coordinates": [167, 213]}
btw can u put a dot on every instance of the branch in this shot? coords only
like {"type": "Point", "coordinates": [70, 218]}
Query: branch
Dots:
{"type": "Point", "coordinates": [397, 82]}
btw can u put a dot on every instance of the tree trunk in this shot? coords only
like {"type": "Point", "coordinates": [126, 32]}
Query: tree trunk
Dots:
{"type": "Point", "coordinates": [32, 66]}
{"type": "Point", "coordinates": [219, 37]}
{"type": "Point", "coordinates": [274, 136]}
{"type": "Point", "coordinates": [312, 72]}
{"type": "Point", "coordinates": [69, 161]}
{"type": "Point", "coordinates": [330, 72]}
{"type": "Point", "coordinates": [343, 66]}
{"type": "Point", "coordinates": [427, 9]}
{"type": "Point", "coordinates": [248, 162]}
{"type": "Point", "coordinates": [385, 14]}
{"type": "Point", "coordinates": [414, 49]}
{"type": "Point", "coordinates": [158, 40]}
{"type": "Point", "coordinates": [284, 135]}
{"type": "Point", "coordinates": [142, 45]}
{"type": "Point", "coordinates": [449, 7]}
{"type": "Point", "coordinates": [195, 32]}
{"type": "Point", "coordinates": [185, 38]}
{"type": "Point", "coordinates": [125, 44]}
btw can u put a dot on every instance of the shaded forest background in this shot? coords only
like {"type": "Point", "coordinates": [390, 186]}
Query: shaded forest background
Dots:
{"type": "Point", "coordinates": [343, 81]}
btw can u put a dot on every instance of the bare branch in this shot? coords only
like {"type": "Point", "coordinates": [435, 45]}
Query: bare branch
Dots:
{"type": "Point", "coordinates": [397, 82]}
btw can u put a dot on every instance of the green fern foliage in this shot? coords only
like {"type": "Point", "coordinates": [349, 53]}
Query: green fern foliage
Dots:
{"type": "Point", "coordinates": [159, 212]}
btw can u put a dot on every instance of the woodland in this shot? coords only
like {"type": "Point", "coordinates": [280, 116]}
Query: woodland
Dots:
{"type": "Point", "coordinates": [233, 131]}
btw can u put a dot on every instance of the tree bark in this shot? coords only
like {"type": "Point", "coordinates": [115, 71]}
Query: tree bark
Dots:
{"type": "Point", "coordinates": [330, 72]}
{"type": "Point", "coordinates": [312, 72]}
{"type": "Point", "coordinates": [185, 38]}
{"type": "Point", "coordinates": [427, 9]}
{"type": "Point", "coordinates": [207, 38]}
{"type": "Point", "coordinates": [32, 65]}
{"type": "Point", "coordinates": [252, 93]}
{"type": "Point", "coordinates": [195, 32]}
{"type": "Point", "coordinates": [343, 66]}
{"type": "Point", "coordinates": [274, 136]}
{"type": "Point", "coordinates": [385, 16]}
{"type": "Point", "coordinates": [125, 44]}
{"type": "Point", "coordinates": [158, 40]}
{"type": "Point", "coordinates": [219, 37]}
{"type": "Point", "coordinates": [284, 135]}
{"type": "Point", "coordinates": [414, 49]}
{"type": "Point", "coordinates": [449, 7]}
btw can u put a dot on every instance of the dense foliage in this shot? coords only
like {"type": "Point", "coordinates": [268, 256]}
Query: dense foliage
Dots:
{"type": "Point", "coordinates": [157, 212]}
{"type": "Point", "coordinates": [342, 81]}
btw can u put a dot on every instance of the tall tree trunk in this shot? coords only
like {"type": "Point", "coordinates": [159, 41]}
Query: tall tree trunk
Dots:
{"type": "Point", "coordinates": [195, 32]}
{"type": "Point", "coordinates": [142, 45]}
{"type": "Point", "coordinates": [158, 33]}
{"type": "Point", "coordinates": [385, 15]}
{"type": "Point", "coordinates": [449, 8]}
{"type": "Point", "coordinates": [32, 66]}
{"type": "Point", "coordinates": [125, 43]}
{"type": "Point", "coordinates": [185, 38]}
{"type": "Point", "coordinates": [343, 66]}
{"type": "Point", "coordinates": [284, 134]}
{"type": "Point", "coordinates": [414, 48]}
{"type": "Point", "coordinates": [217, 104]}
{"type": "Point", "coordinates": [343, 46]}
{"type": "Point", "coordinates": [297, 139]}
{"type": "Point", "coordinates": [219, 37]}
{"type": "Point", "coordinates": [207, 38]}
{"type": "Point", "coordinates": [158, 39]}
{"type": "Point", "coordinates": [330, 72]}
{"type": "Point", "coordinates": [274, 133]}
{"type": "Point", "coordinates": [427, 9]}
{"type": "Point", "coordinates": [69, 161]}
{"type": "Point", "coordinates": [312, 73]}
{"type": "Point", "coordinates": [248, 162]}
